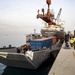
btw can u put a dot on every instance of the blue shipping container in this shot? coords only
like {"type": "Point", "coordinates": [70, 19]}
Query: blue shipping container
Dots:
{"type": "Point", "coordinates": [40, 43]}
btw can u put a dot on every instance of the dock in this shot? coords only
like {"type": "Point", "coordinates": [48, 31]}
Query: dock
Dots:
{"type": "Point", "coordinates": [64, 63]}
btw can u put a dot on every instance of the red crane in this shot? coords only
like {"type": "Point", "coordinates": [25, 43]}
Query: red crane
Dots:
{"type": "Point", "coordinates": [48, 16]}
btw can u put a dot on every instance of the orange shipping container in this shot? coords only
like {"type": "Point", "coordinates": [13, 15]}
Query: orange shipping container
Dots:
{"type": "Point", "coordinates": [53, 39]}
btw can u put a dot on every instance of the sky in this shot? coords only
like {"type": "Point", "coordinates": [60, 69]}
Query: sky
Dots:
{"type": "Point", "coordinates": [19, 16]}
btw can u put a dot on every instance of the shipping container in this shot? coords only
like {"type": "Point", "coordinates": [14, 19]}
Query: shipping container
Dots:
{"type": "Point", "coordinates": [54, 40]}
{"type": "Point", "coordinates": [40, 43]}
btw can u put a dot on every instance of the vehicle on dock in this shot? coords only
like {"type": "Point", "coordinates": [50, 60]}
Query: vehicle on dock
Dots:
{"type": "Point", "coordinates": [38, 48]}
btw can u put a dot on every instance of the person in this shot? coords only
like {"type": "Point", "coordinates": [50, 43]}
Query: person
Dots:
{"type": "Point", "coordinates": [74, 42]}
{"type": "Point", "coordinates": [24, 48]}
{"type": "Point", "coordinates": [74, 39]}
{"type": "Point", "coordinates": [66, 41]}
{"type": "Point", "coordinates": [71, 42]}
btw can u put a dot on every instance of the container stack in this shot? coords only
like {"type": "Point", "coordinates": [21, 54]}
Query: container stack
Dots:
{"type": "Point", "coordinates": [37, 44]}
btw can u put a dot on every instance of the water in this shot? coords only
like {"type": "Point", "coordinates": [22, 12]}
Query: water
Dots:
{"type": "Point", "coordinates": [42, 70]}
{"type": "Point", "coordinates": [2, 67]}
{"type": "Point", "coordinates": [14, 40]}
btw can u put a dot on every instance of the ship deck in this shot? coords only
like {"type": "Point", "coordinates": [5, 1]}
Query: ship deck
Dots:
{"type": "Point", "coordinates": [64, 63]}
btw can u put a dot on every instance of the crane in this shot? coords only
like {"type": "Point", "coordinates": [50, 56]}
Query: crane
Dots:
{"type": "Point", "coordinates": [48, 16]}
{"type": "Point", "coordinates": [58, 16]}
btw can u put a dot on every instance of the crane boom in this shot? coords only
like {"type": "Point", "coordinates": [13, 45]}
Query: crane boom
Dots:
{"type": "Point", "coordinates": [58, 16]}
{"type": "Point", "coordinates": [48, 16]}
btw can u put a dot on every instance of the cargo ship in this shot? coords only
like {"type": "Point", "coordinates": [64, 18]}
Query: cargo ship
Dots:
{"type": "Point", "coordinates": [37, 50]}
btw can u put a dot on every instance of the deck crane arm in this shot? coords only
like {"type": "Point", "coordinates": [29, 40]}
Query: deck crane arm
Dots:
{"type": "Point", "coordinates": [48, 16]}
{"type": "Point", "coordinates": [58, 16]}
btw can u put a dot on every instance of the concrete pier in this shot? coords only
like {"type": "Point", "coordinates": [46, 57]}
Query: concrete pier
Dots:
{"type": "Point", "coordinates": [64, 63]}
